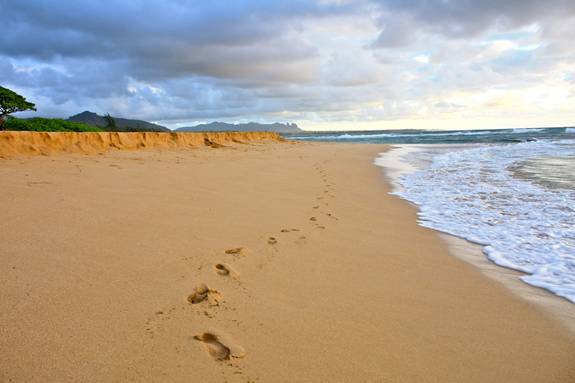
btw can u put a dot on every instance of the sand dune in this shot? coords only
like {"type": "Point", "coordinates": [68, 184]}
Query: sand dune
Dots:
{"type": "Point", "coordinates": [46, 143]}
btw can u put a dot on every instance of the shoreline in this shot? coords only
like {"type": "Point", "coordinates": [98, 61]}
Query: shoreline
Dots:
{"type": "Point", "coordinates": [559, 308]}
{"type": "Point", "coordinates": [328, 277]}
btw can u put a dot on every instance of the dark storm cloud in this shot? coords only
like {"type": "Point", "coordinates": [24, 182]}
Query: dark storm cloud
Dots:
{"type": "Point", "coordinates": [163, 38]}
{"type": "Point", "coordinates": [95, 49]}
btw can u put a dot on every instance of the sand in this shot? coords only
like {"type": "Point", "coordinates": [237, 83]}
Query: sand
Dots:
{"type": "Point", "coordinates": [253, 262]}
{"type": "Point", "coordinates": [49, 143]}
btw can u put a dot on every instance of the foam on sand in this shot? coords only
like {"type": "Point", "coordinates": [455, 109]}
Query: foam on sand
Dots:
{"type": "Point", "coordinates": [47, 143]}
{"type": "Point", "coordinates": [472, 194]}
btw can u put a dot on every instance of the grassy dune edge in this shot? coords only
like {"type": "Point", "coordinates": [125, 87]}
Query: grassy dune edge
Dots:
{"type": "Point", "coordinates": [47, 143]}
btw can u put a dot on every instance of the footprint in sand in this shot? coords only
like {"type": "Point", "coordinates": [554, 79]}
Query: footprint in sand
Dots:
{"type": "Point", "coordinates": [235, 251]}
{"type": "Point", "coordinates": [313, 219]}
{"type": "Point", "coordinates": [203, 293]}
{"type": "Point", "coordinates": [332, 216]}
{"type": "Point", "coordinates": [225, 270]}
{"type": "Point", "coordinates": [288, 230]}
{"type": "Point", "coordinates": [272, 241]}
{"type": "Point", "coordinates": [33, 183]}
{"type": "Point", "coordinates": [219, 348]}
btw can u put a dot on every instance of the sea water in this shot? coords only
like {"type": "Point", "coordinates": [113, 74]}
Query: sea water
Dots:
{"type": "Point", "coordinates": [512, 192]}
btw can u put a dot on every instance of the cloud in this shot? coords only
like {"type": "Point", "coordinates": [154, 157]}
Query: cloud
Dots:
{"type": "Point", "coordinates": [100, 47]}
{"type": "Point", "coordinates": [165, 38]}
{"type": "Point", "coordinates": [403, 20]}
{"type": "Point", "coordinates": [310, 61]}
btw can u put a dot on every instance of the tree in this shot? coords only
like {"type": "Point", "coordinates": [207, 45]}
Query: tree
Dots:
{"type": "Point", "coordinates": [11, 102]}
{"type": "Point", "coordinates": [110, 123]}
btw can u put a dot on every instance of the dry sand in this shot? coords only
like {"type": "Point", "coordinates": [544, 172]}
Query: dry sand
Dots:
{"type": "Point", "coordinates": [256, 262]}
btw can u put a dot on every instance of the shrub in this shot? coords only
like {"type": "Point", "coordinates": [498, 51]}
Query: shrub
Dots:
{"type": "Point", "coordinates": [48, 125]}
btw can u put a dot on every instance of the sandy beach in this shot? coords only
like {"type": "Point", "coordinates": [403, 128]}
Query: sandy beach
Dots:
{"type": "Point", "coordinates": [252, 262]}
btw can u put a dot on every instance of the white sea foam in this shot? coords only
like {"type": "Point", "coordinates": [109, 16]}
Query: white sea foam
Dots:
{"type": "Point", "coordinates": [472, 194]}
{"type": "Point", "coordinates": [528, 130]}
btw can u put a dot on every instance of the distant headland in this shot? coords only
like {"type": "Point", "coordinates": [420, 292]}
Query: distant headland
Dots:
{"type": "Point", "coordinates": [116, 124]}
{"type": "Point", "coordinates": [245, 127]}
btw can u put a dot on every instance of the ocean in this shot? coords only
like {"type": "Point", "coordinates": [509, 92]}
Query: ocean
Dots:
{"type": "Point", "coordinates": [512, 191]}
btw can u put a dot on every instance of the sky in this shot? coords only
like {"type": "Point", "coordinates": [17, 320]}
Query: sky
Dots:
{"type": "Point", "coordinates": [324, 64]}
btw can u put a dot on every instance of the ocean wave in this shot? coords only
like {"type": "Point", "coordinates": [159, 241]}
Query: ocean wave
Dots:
{"type": "Point", "coordinates": [528, 130]}
{"type": "Point", "coordinates": [472, 194]}
{"type": "Point", "coordinates": [421, 134]}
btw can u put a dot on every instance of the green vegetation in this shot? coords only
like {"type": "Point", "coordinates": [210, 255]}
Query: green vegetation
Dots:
{"type": "Point", "coordinates": [12, 102]}
{"type": "Point", "coordinates": [48, 125]}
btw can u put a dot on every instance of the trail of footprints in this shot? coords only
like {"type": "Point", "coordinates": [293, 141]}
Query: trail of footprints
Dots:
{"type": "Point", "coordinates": [323, 199]}
{"type": "Point", "coordinates": [207, 299]}
{"type": "Point", "coordinates": [207, 302]}
{"type": "Point", "coordinates": [221, 347]}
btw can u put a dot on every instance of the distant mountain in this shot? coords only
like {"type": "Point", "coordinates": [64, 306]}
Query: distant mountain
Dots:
{"type": "Point", "coordinates": [121, 124]}
{"type": "Point", "coordinates": [248, 127]}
